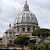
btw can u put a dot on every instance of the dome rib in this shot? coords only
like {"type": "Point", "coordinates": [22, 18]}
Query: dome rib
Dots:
{"type": "Point", "coordinates": [26, 16]}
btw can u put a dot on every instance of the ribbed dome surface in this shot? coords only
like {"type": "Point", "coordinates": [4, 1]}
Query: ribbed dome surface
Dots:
{"type": "Point", "coordinates": [26, 16]}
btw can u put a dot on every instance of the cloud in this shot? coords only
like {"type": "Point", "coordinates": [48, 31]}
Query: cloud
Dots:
{"type": "Point", "coordinates": [10, 8]}
{"type": "Point", "coordinates": [42, 14]}
{"type": "Point", "coordinates": [8, 11]}
{"type": "Point", "coordinates": [44, 1]}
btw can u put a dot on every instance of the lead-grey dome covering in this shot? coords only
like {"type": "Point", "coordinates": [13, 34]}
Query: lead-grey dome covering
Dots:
{"type": "Point", "coordinates": [26, 16]}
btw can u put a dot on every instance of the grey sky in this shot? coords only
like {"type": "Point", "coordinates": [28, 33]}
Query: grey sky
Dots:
{"type": "Point", "coordinates": [10, 8]}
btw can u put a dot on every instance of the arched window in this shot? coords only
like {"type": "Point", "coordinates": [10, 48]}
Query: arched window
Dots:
{"type": "Point", "coordinates": [28, 29]}
{"type": "Point", "coordinates": [10, 37]}
{"type": "Point", "coordinates": [31, 14]}
{"type": "Point", "coordinates": [33, 27]}
{"type": "Point", "coordinates": [32, 17]}
{"type": "Point", "coordinates": [28, 17]}
{"type": "Point", "coordinates": [10, 41]}
{"type": "Point", "coordinates": [23, 29]}
{"type": "Point", "coordinates": [24, 13]}
{"type": "Point", "coordinates": [10, 32]}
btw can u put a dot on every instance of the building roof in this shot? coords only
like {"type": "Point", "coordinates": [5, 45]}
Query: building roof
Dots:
{"type": "Point", "coordinates": [26, 16]}
{"type": "Point", "coordinates": [0, 38]}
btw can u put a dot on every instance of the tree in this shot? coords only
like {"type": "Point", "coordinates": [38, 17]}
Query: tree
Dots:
{"type": "Point", "coordinates": [22, 41]}
{"type": "Point", "coordinates": [41, 32]}
{"type": "Point", "coordinates": [32, 47]}
{"type": "Point", "coordinates": [13, 49]}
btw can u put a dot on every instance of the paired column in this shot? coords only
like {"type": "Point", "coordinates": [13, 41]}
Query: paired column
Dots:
{"type": "Point", "coordinates": [20, 29]}
{"type": "Point", "coordinates": [31, 28]}
{"type": "Point", "coordinates": [25, 28]}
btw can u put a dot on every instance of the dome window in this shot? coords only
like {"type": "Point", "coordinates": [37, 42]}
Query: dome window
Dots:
{"type": "Point", "coordinates": [33, 27]}
{"type": "Point", "coordinates": [23, 29]}
{"type": "Point", "coordinates": [10, 41]}
{"type": "Point", "coordinates": [24, 17]}
{"type": "Point", "coordinates": [28, 17]}
{"type": "Point", "coordinates": [24, 13]}
{"type": "Point", "coordinates": [31, 14]}
{"type": "Point", "coordinates": [10, 37]}
{"type": "Point", "coordinates": [10, 32]}
{"type": "Point", "coordinates": [28, 29]}
{"type": "Point", "coordinates": [32, 17]}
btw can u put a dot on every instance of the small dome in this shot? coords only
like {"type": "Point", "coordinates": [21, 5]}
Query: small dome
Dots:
{"type": "Point", "coordinates": [26, 16]}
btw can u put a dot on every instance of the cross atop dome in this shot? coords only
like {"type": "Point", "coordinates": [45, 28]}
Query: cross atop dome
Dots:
{"type": "Point", "coordinates": [10, 25]}
{"type": "Point", "coordinates": [26, 7]}
{"type": "Point", "coordinates": [26, 2]}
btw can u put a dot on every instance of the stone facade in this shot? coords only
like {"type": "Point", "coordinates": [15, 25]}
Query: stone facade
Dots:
{"type": "Point", "coordinates": [24, 24]}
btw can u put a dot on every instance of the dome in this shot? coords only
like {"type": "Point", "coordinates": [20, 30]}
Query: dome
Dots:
{"type": "Point", "coordinates": [26, 16]}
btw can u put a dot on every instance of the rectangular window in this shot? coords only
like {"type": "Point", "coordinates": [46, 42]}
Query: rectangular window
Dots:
{"type": "Point", "coordinates": [23, 29]}
{"type": "Point", "coordinates": [33, 27]}
{"type": "Point", "coordinates": [28, 29]}
{"type": "Point", "coordinates": [10, 32]}
{"type": "Point", "coordinates": [10, 41]}
{"type": "Point", "coordinates": [10, 37]}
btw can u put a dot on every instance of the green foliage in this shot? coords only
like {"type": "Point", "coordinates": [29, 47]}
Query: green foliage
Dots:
{"type": "Point", "coordinates": [32, 47]}
{"type": "Point", "coordinates": [14, 49]}
{"type": "Point", "coordinates": [21, 40]}
{"type": "Point", "coordinates": [48, 49]}
{"type": "Point", "coordinates": [32, 41]}
{"type": "Point", "coordinates": [41, 32]}
{"type": "Point", "coordinates": [38, 47]}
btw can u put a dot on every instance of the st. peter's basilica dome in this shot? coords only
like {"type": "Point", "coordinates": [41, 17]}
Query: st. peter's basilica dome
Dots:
{"type": "Point", "coordinates": [26, 16]}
